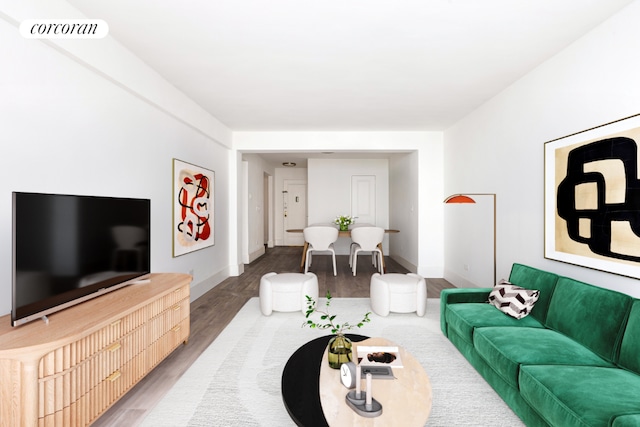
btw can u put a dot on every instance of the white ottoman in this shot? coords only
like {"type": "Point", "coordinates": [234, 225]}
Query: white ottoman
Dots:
{"type": "Point", "coordinates": [399, 293]}
{"type": "Point", "coordinates": [287, 292]}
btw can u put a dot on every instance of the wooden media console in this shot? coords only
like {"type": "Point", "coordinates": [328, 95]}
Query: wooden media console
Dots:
{"type": "Point", "coordinates": [71, 370]}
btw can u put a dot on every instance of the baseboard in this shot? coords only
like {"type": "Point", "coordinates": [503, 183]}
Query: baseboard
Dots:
{"type": "Point", "coordinates": [457, 280]}
{"type": "Point", "coordinates": [201, 288]}
{"type": "Point", "coordinates": [236, 270]}
{"type": "Point", "coordinates": [256, 254]}
{"type": "Point", "coordinates": [424, 272]}
{"type": "Point", "coordinates": [403, 262]}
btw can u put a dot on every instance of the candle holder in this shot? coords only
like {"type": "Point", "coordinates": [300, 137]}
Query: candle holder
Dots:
{"type": "Point", "coordinates": [353, 397]}
{"type": "Point", "coordinates": [372, 411]}
{"type": "Point", "coordinates": [363, 403]}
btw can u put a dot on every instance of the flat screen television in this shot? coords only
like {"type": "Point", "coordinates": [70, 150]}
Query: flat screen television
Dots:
{"type": "Point", "coordinates": [68, 249]}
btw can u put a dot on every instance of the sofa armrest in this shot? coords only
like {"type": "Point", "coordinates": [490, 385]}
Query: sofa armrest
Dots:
{"type": "Point", "coordinates": [627, 420]}
{"type": "Point", "coordinates": [457, 296]}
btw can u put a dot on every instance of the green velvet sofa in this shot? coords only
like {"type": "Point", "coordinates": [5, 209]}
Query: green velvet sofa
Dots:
{"type": "Point", "coordinates": [574, 361]}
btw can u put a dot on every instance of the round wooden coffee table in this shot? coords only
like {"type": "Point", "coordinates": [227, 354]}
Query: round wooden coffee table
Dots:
{"type": "Point", "coordinates": [314, 396]}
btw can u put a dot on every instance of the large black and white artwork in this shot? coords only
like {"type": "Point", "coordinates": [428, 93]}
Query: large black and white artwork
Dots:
{"type": "Point", "coordinates": [592, 198]}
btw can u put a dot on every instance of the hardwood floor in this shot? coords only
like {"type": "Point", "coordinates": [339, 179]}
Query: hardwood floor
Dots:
{"type": "Point", "coordinates": [211, 313]}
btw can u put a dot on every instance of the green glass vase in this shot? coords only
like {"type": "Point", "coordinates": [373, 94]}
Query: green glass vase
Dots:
{"type": "Point", "coordinates": [339, 351]}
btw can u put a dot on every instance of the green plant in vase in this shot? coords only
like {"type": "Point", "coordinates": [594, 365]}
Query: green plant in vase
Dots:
{"type": "Point", "coordinates": [339, 345]}
{"type": "Point", "coordinates": [344, 221]}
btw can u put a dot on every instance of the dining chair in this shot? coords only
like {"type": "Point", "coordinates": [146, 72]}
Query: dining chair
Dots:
{"type": "Point", "coordinates": [351, 227]}
{"type": "Point", "coordinates": [366, 239]}
{"type": "Point", "coordinates": [320, 239]}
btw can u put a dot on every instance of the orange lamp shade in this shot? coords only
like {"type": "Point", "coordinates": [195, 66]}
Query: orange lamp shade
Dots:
{"type": "Point", "coordinates": [459, 198]}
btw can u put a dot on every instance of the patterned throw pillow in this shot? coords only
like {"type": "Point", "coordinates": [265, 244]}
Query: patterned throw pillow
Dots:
{"type": "Point", "coordinates": [513, 300]}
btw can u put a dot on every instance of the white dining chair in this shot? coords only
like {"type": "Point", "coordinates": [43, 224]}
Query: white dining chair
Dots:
{"type": "Point", "coordinates": [320, 239]}
{"type": "Point", "coordinates": [366, 239]}
{"type": "Point", "coordinates": [351, 227]}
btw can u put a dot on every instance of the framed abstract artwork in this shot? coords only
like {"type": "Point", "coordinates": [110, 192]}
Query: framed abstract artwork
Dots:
{"type": "Point", "coordinates": [592, 198]}
{"type": "Point", "coordinates": [193, 207]}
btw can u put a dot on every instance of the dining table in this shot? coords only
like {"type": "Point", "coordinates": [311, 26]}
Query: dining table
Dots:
{"type": "Point", "coordinates": [341, 233]}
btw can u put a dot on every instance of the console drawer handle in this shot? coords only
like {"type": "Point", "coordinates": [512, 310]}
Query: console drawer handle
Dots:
{"type": "Point", "coordinates": [114, 376]}
{"type": "Point", "coordinates": [177, 328]}
{"type": "Point", "coordinates": [176, 308]}
{"type": "Point", "coordinates": [116, 323]}
{"type": "Point", "coordinates": [114, 347]}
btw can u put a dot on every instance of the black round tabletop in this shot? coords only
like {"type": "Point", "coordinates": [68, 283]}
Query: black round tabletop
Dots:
{"type": "Point", "coordinates": [301, 382]}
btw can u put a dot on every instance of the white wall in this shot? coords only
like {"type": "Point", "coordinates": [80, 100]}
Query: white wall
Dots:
{"type": "Point", "coordinates": [499, 147]}
{"type": "Point", "coordinates": [329, 192]}
{"type": "Point", "coordinates": [67, 127]}
{"type": "Point", "coordinates": [425, 248]}
{"type": "Point", "coordinates": [255, 203]}
{"type": "Point", "coordinates": [404, 208]}
{"type": "Point", "coordinates": [469, 242]}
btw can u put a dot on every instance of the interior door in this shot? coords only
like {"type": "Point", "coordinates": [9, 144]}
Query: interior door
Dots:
{"type": "Point", "coordinates": [294, 210]}
{"type": "Point", "coordinates": [363, 198]}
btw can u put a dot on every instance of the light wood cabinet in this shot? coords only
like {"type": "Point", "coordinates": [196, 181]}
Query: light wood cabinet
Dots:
{"type": "Point", "coordinates": [69, 371]}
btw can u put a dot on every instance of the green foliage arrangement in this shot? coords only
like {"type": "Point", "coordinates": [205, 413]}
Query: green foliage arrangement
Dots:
{"type": "Point", "coordinates": [327, 319]}
{"type": "Point", "coordinates": [344, 220]}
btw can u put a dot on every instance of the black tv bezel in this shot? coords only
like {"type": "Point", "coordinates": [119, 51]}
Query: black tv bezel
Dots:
{"type": "Point", "coordinates": [56, 303]}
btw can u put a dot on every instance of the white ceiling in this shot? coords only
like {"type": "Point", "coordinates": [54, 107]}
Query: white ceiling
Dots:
{"type": "Point", "coordinates": [345, 64]}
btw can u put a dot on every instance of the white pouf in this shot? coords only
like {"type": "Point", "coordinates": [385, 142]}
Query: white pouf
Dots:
{"type": "Point", "coordinates": [398, 293]}
{"type": "Point", "coordinates": [287, 292]}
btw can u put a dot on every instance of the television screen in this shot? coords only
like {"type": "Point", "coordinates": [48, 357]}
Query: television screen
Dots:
{"type": "Point", "coordinates": [67, 249]}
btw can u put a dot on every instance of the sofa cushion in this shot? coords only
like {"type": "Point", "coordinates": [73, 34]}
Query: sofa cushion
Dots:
{"type": "Point", "coordinates": [513, 300]}
{"type": "Point", "coordinates": [506, 349]}
{"type": "Point", "coordinates": [532, 278]}
{"type": "Point", "coordinates": [464, 318]}
{"type": "Point", "coordinates": [581, 395]}
{"type": "Point", "coordinates": [593, 316]}
{"type": "Point", "coordinates": [630, 348]}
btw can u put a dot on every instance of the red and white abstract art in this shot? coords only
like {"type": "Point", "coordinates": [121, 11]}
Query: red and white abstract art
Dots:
{"type": "Point", "coordinates": [193, 201]}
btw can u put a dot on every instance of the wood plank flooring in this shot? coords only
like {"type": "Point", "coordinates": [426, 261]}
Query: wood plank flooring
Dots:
{"type": "Point", "coordinates": [211, 313]}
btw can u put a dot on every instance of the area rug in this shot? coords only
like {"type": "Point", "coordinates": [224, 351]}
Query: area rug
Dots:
{"type": "Point", "coordinates": [236, 381]}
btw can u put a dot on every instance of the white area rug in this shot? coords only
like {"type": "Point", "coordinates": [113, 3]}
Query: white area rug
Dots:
{"type": "Point", "coordinates": [236, 381]}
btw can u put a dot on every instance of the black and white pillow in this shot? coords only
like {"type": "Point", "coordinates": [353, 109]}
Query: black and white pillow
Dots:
{"type": "Point", "coordinates": [513, 300]}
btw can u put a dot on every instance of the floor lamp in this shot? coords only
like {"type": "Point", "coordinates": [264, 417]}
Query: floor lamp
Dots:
{"type": "Point", "coordinates": [466, 198]}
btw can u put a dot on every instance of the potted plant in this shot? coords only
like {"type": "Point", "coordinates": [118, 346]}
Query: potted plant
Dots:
{"type": "Point", "coordinates": [339, 345]}
{"type": "Point", "coordinates": [344, 221]}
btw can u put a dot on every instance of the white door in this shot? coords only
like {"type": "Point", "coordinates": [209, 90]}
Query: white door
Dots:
{"type": "Point", "coordinates": [294, 210]}
{"type": "Point", "coordinates": [363, 198]}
